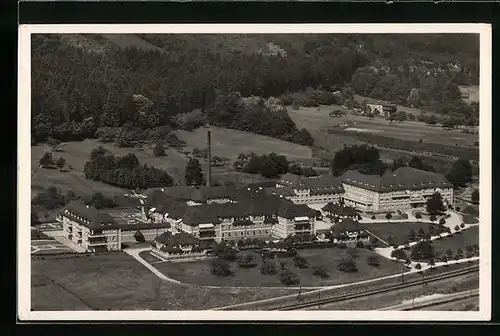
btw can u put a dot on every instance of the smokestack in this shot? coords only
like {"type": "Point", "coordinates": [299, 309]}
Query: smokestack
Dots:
{"type": "Point", "coordinates": [209, 160]}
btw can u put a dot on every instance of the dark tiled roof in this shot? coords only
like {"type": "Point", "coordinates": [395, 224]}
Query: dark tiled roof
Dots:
{"type": "Point", "coordinates": [290, 179]}
{"type": "Point", "coordinates": [255, 204]}
{"type": "Point", "coordinates": [285, 191]}
{"type": "Point", "coordinates": [318, 185]}
{"type": "Point", "coordinates": [187, 193]}
{"type": "Point", "coordinates": [181, 238]}
{"type": "Point", "coordinates": [89, 216]}
{"type": "Point", "coordinates": [264, 185]}
{"type": "Point", "coordinates": [346, 225]}
{"type": "Point", "coordinates": [404, 178]}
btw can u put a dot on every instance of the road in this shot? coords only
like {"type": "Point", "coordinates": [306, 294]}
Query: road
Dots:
{"type": "Point", "coordinates": [432, 302]}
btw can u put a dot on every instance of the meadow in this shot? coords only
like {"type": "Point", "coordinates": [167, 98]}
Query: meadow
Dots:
{"type": "Point", "coordinates": [198, 272]}
{"type": "Point", "coordinates": [317, 119]}
{"type": "Point", "coordinates": [116, 281]}
{"type": "Point", "coordinates": [466, 237]}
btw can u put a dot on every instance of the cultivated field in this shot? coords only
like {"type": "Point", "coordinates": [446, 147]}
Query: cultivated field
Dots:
{"type": "Point", "coordinates": [314, 118]}
{"type": "Point", "coordinates": [230, 143]}
{"type": "Point", "coordinates": [116, 281]}
{"type": "Point", "coordinates": [199, 272]}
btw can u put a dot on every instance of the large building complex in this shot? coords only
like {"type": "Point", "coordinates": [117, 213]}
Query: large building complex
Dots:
{"type": "Point", "coordinates": [246, 213]}
{"type": "Point", "coordinates": [402, 189]}
{"type": "Point", "coordinates": [96, 230]}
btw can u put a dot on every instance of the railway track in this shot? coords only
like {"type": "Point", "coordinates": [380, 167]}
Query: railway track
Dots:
{"type": "Point", "coordinates": [409, 284]}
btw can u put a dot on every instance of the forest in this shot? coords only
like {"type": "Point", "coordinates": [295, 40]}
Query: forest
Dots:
{"type": "Point", "coordinates": [82, 83]}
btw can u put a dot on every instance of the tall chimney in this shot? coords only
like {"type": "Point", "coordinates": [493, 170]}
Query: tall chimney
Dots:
{"type": "Point", "coordinates": [209, 160]}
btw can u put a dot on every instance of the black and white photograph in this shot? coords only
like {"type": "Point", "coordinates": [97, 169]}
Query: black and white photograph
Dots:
{"type": "Point", "coordinates": [277, 172]}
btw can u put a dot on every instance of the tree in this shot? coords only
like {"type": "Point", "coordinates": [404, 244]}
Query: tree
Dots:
{"type": "Point", "coordinates": [289, 278]}
{"type": "Point", "coordinates": [415, 162]}
{"type": "Point", "coordinates": [412, 235]}
{"type": "Point", "coordinates": [60, 163]}
{"type": "Point", "coordinates": [431, 262]}
{"type": "Point", "coordinates": [462, 226]}
{"type": "Point", "coordinates": [398, 163]}
{"type": "Point", "coordinates": [388, 216]}
{"type": "Point", "coordinates": [99, 201]}
{"type": "Point", "coordinates": [435, 205]}
{"type": "Point", "coordinates": [194, 173]}
{"type": "Point", "coordinates": [300, 262]}
{"type": "Point", "coordinates": [347, 265]}
{"type": "Point", "coordinates": [456, 228]}
{"type": "Point", "coordinates": [398, 254]}
{"type": "Point", "coordinates": [475, 196]}
{"type": "Point", "coordinates": [373, 261]}
{"type": "Point", "coordinates": [247, 260]}
{"type": "Point", "coordinates": [46, 160]}
{"type": "Point", "coordinates": [423, 250]}
{"type": "Point", "coordinates": [139, 237]}
{"type": "Point", "coordinates": [418, 215]}
{"type": "Point", "coordinates": [418, 267]}
{"type": "Point", "coordinates": [442, 221]}
{"type": "Point", "coordinates": [269, 267]}
{"type": "Point", "coordinates": [432, 218]}
{"type": "Point", "coordinates": [221, 267]}
{"type": "Point", "coordinates": [320, 271]}
{"type": "Point", "coordinates": [460, 173]}
{"type": "Point", "coordinates": [158, 150]}
{"type": "Point", "coordinates": [53, 143]}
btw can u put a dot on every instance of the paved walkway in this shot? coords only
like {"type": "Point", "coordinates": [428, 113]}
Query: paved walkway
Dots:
{"type": "Point", "coordinates": [134, 252]}
{"type": "Point", "coordinates": [58, 235]}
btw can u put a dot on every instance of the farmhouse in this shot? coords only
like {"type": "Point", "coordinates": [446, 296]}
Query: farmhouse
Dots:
{"type": "Point", "coordinates": [383, 110]}
{"type": "Point", "coordinates": [97, 230]}
{"type": "Point", "coordinates": [309, 190]}
{"type": "Point", "coordinates": [404, 188]}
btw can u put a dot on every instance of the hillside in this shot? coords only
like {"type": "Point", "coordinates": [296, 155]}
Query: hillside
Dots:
{"type": "Point", "coordinates": [82, 82]}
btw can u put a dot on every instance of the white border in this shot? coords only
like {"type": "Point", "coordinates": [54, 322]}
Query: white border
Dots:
{"type": "Point", "coordinates": [24, 182]}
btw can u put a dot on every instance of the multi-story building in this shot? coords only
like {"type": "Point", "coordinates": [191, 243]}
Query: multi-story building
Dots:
{"type": "Point", "coordinates": [404, 188]}
{"type": "Point", "coordinates": [349, 232]}
{"type": "Point", "coordinates": [96, 230]}
{"type": "Point", "coordinates": [309, 190]}
{"type": "Point", "coordinates": [177, 246]}
{"type": "Point", "coordinates": [255, 214]}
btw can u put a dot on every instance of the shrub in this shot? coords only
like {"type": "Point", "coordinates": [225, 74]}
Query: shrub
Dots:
{"type": "Point", "coordinates": [342, 245]}
{"type": "Point", "coordinates": [300, 262]}
{"type": "Point", "coordinates": [360, 244]}
{"type": "Point", "coordinates": [320, 271]}
{"type": "Point", "coordinates": [221, 267]}
{"type": "Point", "coordinates": [373, 260]}
{"type": "Point", "coordinates": [423, 250]}
{"type": "Point", "coordinates": [418, 267]}
{"type": "Point", "coordinates": [269, 267]}
{"type": "Point", "coordinates": [442, 221]}
{"type": "Point", "coordinates": [432, 218]}
{"type": "Point", "coordinates": [139, 237]}
{"type": "Point", "coordinates": [247, 260]}
{"type": "Point", "coordinates": [388, 216]}
{"type": "Point", "coordinates": [289, 278]}
{"type": "Point", "coordinates": [373, 217]}
{"type": "Point", "coordinates": [347, 265]}
{"type": "Point", "coordinates": [418, 215]}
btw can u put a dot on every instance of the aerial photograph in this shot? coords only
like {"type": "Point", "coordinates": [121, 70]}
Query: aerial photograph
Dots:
{"type": "Point", "coordinates": [254, 172]}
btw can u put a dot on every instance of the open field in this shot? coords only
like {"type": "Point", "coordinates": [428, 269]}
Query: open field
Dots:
{"type": "Point", "coordinates": [398, 231]}
{"type": "Point", "coordinates": [314, 118]}
{"type": "Point", "coordinates": [230, 143]}
{"type": "Point", "coordinates": [468, 236]}
{"type": "Point", "coordinates": [78, 152]}
{"type": "Point", "coordinates": [116, 281]}
{"type": "Point", "coordinates": [199, 272]}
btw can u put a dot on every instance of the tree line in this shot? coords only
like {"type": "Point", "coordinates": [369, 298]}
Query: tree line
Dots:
{"type": "Point", "coordinates": [124, 172]}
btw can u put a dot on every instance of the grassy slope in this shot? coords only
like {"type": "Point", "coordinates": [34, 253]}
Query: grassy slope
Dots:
{"type": "Point", "coordinates": [199, 272]}
{"type": "Point", "coordinates": [230, 143]}
{"type": "Point", "coordinates": [118, 282]}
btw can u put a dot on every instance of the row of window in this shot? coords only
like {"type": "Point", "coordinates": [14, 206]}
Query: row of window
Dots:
{"type": "Point", "coordinates": [242, 233]}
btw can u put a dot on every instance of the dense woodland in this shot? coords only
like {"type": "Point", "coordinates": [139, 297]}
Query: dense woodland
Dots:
{"type": "Point", "coordinates": [83, 83]}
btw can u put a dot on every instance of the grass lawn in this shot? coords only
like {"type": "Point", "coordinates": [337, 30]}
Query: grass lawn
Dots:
{"type": "Point", "coordinates": [398, 231]}
{"type": "Point", "coordinates": [230, 143]}
{"type": "Point", "coordinates": [78, 152]}
{"type": "Point", "coordinates": [116, 281]}
{"type": "Point", "coordinates": [469, 236]}
{"type": "Point", "coordinates": [468, 219]}
{"type": "Point", "coordinates": [198, 272]}
{"type": "Point", "coordinates": [150, 258]}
